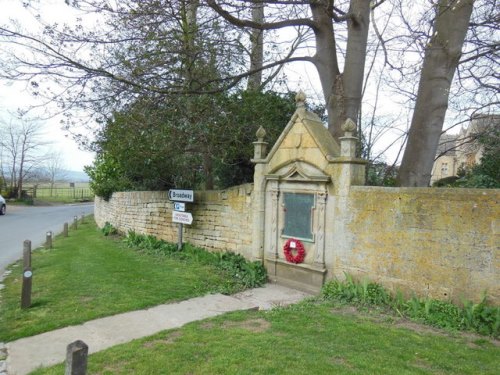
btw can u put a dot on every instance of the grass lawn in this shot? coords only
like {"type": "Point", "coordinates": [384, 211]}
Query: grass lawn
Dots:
{"type": "Point", "coordinates": [309, 338]}
{"type": "Point", "coordinates": [87, 275]}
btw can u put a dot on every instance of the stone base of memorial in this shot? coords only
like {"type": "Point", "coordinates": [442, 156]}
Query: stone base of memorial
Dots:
{"type": "Point", "coordinates": [304, 277]}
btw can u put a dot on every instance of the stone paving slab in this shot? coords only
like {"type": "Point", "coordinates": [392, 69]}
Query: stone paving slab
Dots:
{"type": "Point", "coordinates": [47, 349]}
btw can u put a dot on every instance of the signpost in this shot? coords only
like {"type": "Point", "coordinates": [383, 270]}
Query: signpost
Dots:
{"type": "Point", "coordinates": [182, 217]}
{"type": "Point", "coordinates": [179, 215]}
{"type": "Point", "coordinates": [178, 206]}
{"type": "Point", "coordinates": [177, 195]}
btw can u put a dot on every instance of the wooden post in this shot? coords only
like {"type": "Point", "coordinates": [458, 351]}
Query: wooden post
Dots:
{"type": "Point", "coordinates": [65, 230]}
{"type": "Point", "coordinates": [26, 288]}
{"type": "Point", "coordinates": [179, 237]}
{"type": "Point", "coordinates": [83, 218]}
{"type": "Point", "coordinates": [26, 254]}
{"type": "Point", "coordinates": [75, 222]}
{"type": "Point", "coordinates": [48, 240]}
{"type": "Point", "coordinates": [76, 358]}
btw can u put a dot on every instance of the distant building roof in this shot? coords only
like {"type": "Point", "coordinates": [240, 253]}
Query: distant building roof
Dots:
{"type": "Point", "coordinates": [447, 144]}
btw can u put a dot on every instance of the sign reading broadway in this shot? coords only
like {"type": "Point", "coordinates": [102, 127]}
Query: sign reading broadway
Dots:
{"type": "Point", "coordinates": [178, 195]}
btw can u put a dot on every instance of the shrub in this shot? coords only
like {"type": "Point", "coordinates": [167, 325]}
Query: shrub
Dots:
{"type": "Point", "coordinates": [108, 229]}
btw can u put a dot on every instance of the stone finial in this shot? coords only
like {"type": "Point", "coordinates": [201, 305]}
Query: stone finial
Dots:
{"type": "Point", "coordinates": [300, 99]}
{"type": "Point", "coordinates": [348, 141]}
{"type": "Point", "coordinates": [261, 133]}
{"type": "Point", "coordinates": [260, 146]}
{"type": "Point", "coordinates": [349, 126]}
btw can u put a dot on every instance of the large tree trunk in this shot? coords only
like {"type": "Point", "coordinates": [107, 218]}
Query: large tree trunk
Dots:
{"type": "Point", "coordinates": [257, 52]}
{"type": "Point", "coordinates": [441, 60]}
{"type": "Point", "coordinates": [342, 91]}
{"type": "Point", "coordinates": [325, 58]}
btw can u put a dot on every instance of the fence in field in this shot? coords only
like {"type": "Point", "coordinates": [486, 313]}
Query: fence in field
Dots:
{"type": "Point", "coordinates": [72, 193]}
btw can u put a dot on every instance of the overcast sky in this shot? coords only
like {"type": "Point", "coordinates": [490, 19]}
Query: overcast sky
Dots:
{"type": "Point", "coordinates": [14, 96]}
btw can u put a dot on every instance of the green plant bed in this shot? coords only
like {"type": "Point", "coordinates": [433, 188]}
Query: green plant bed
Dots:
{"type": "Point", "coordinates": [479, 317]}
{"type": "Point", "coordinates": [308, 338]}
{"type": "Point", "coordinates": [89, 275]}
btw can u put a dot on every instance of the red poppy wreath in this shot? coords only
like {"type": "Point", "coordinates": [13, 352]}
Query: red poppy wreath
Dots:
{"type": "Point", "coordinates": [294, 246]}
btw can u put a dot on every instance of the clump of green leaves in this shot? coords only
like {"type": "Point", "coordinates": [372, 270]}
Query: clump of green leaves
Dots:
{"type": "Point", "coordinates": [480, 317]}
{"type": "Point", "coordinates": [352, 291]}
{"type": "Point", "coordinates": [106, 176]}
{"type": "Point", "coordinates": [242, 273]}
{"type": "Point", "coordinates": [108, 229]}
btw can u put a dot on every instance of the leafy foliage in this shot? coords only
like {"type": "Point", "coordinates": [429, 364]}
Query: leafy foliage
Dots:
{"type": "Point", "coordinates": [186, 142]}
{"type": "Point", "coordinates": [480, 317]}
{"type": "Point", "coordinates": [242, 273]}
{"type": "Point", "coordinates": [106, 176]}
{"type": "Point", "coordinates": [108, 229]}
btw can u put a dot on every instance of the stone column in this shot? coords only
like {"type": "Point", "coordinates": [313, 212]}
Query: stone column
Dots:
{"type": "Point", "coordinates": [319, 260]}
{"type": "Point", "coordinates": [273, 250]}
{"type": "Point", "coordinates": [258, 195]}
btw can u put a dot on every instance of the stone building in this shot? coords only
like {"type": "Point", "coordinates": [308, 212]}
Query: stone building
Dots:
{"type": "Point", "coordinates": [456, 151]}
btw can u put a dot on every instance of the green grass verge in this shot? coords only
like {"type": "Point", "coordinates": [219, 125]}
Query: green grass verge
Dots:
{"type": "Point", "coordinates": [87, 276]}
{"type": "Point", "coordinates": [308, 338]}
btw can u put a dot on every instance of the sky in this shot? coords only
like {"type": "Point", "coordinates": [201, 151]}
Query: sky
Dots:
{"type": "Point", "coordinates": [14, 96]}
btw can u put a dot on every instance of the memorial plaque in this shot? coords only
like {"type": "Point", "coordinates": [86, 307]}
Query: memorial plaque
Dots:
{"type": "Point", "coordinates": [298, 215]}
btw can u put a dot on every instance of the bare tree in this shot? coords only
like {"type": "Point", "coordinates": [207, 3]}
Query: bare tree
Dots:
{"type": "Point", "coordinates": [22, 142]}
{"type": "Point", "coordinates": [442, 56]}
{"type": "Point", "coordinates": [54, 168]}
{"type": "Point", "coordinates": [138, 52]}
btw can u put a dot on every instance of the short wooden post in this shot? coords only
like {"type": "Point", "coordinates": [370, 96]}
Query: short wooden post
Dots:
{"type": "Point", "coordinates": [26, 288]}
{"type": "Point", "coordinates": [83, 218]}
{"type": "Point", "coordinates": [48, 240]}
{"type": "Point", "coordinates": [76, 358]}
{"type": "Point", "coordinates": [179, 237]}
{"type": "Point", "coordinates": [26, 254]}
{"type": "Point", "coordinates": [65, 230]}
{"type": "Point", "coordinates": [75, 222]}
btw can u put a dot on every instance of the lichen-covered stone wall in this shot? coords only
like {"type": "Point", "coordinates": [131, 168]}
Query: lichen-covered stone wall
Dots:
{"type": "Point", "coordinates": [222, 219]}
{"type": "Point", "coordinates": [444, 243]}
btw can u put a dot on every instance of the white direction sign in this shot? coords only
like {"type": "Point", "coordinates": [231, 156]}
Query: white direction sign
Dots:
{"type": "Point", "coordinates": [178, 206]}
{"type": "Point", "coordinates": [182, 217]}
{"type": "Point", "coordinates": [178, 195]}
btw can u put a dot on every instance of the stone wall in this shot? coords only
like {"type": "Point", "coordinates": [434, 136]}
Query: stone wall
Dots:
{"type": "Point", "coordinates": [222, 219]}
{"type": "Point", "coordinates": [438, 242]}
{"type": "Point", "coordinates": [442, 243]}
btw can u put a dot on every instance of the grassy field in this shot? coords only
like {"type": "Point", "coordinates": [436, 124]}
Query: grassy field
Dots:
{"type": "Point", "coordinates": [61, 192]}
{"type": "Point", "coordinates": [309, 338]}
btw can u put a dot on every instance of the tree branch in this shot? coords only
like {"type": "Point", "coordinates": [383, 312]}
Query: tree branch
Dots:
{"type": "Point", "coordinates": [260, 26]}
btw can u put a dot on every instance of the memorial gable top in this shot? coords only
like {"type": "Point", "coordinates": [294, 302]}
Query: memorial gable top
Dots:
{"type": "Point", "coordinates": [304, 138]}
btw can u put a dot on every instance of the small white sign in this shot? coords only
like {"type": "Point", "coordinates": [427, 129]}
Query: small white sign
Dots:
{"type": "Point", "coordinates": [28, 274]}
{"type": "Point", "coordinates": [178, 206]}
{"type": "Point", "coordinates": [181, 195]}
{"type": "Point", "coordinates": [293, 245]}
{"type": "Point", "coordinates": [182, 217]}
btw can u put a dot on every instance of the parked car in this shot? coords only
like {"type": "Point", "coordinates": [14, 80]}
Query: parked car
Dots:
{"type": "Point", "coordinates": [3, 206]}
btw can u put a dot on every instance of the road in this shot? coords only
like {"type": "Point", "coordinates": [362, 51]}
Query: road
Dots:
{"type": "Point", "coordinates": [32, 223]}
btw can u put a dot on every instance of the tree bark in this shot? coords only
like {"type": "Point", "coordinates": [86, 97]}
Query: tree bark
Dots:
{"type": "Point", "coordinates": [440, 62]}
{"type": "Point", "coordinates": [257, 52]}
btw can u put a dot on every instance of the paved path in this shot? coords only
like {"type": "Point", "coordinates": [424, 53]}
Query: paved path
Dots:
{"type": "Point", "coordinates": [46, 349]}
